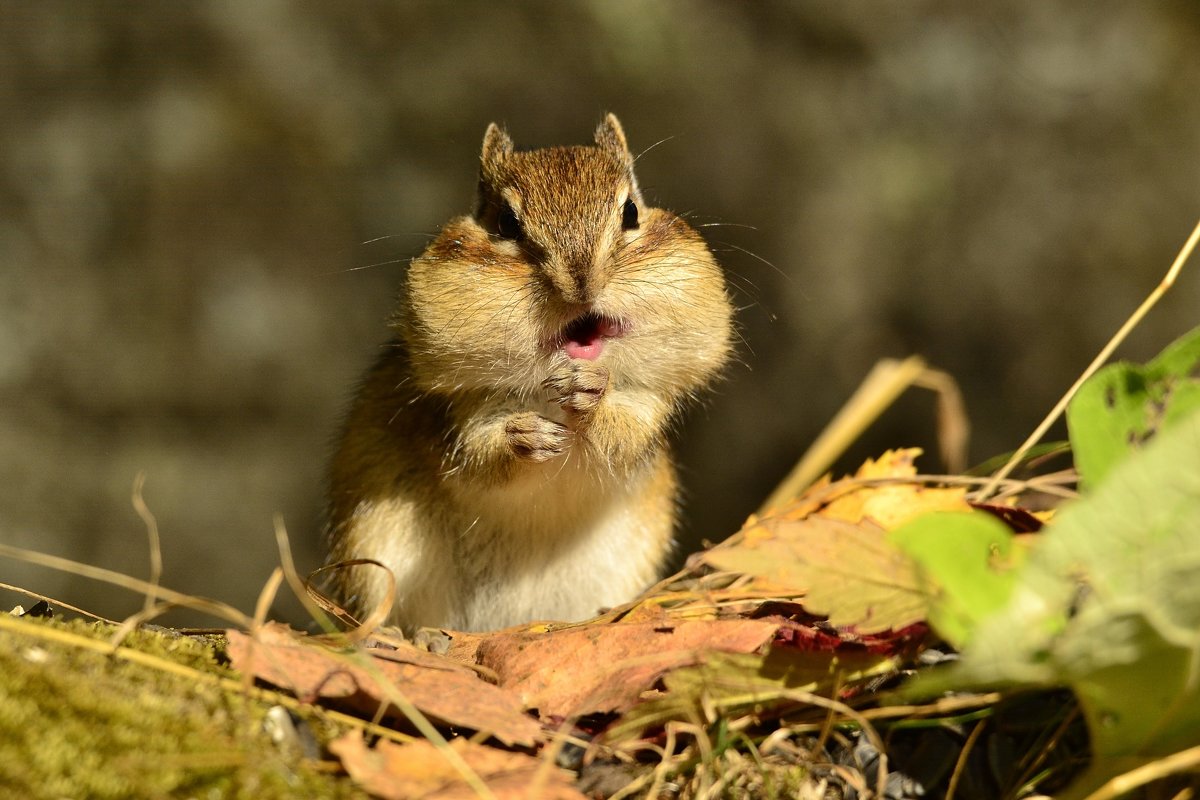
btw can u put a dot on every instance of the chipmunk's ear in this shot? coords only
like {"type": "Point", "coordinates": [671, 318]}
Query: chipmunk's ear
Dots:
{"type": "Point", "coordinates": [610, 135]}
{"type": "Point", "coordinates": [497, 146]}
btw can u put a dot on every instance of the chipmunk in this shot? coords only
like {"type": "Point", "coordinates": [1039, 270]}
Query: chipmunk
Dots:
{"type": "Point", "coordinates": [506, 457]}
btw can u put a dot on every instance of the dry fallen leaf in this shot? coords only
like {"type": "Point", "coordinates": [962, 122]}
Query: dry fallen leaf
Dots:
{"type": "Point", "coordinates": [605, 668]}
{"type": "Point", "coordinates": [891, 504]}
{"type": "Point", "coordinates": [829, 546]}
{"type": "Point", "coordinates": [843, 569]}
{"type": "Point", "coordinates": [418, 770]}
{"type": "Point", "coordinates": [440, 688]}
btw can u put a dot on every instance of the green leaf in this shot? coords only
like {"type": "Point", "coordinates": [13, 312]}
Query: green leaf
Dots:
{"type": "Point", "coordinates": [1109, 604]}
{"type": "Point", "coordinates": [1038, 452]}
{"type": "Point", "coordinates": [1123, 405]}
{"type": "Point", "coordinates": [965, 563]}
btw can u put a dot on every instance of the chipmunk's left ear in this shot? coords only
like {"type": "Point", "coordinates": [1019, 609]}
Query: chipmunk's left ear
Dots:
{"type": "Point", "coordinates": [497, 147]}
{"type": "Point", "coordinates": [610, 135]}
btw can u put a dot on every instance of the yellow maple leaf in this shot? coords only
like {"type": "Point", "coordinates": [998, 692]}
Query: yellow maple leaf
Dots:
{"type": "Point", "coordinates": [878, 491]}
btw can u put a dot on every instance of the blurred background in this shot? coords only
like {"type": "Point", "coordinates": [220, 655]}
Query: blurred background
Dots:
{"type": "Point", "coordinates": [205, 209]}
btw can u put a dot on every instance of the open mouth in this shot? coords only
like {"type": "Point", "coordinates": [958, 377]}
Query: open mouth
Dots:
{"type": "Point", "coordinates": [585, 336]}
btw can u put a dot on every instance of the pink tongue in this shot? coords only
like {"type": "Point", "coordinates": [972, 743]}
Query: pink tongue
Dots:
{"type": "Point", "coordinates": [588, 350]}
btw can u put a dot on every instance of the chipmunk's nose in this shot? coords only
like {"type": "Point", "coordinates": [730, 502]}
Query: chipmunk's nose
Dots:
{"type": "Point", "coordinates": [584, 288]}
{"type": "Point", "coordinates": [577, 281]}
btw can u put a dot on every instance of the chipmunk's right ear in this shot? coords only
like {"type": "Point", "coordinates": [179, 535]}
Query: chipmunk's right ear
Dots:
{"type": "Point", "coordinates": [497, 146]}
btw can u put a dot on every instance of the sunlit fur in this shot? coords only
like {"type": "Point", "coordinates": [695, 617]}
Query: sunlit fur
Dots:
{"type": "Point", "coordinates": [426, 478]}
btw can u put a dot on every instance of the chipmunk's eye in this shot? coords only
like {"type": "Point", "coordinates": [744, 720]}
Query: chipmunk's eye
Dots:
{"type": "Point", "coordinates": [629, 215]}
{"type": "Point", "coordinates": [508, 225]}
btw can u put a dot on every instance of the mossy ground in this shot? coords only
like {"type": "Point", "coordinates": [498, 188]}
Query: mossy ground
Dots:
{"type": "Point", "coordinates": [79, 723]}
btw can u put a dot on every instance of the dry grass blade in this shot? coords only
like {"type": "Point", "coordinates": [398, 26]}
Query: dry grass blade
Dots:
{"type": "Point", "coordinates": [1105, 353]}
{"type": "Point", "coordinates": [266, 597]}
{"type": "Point", "coordinates": [953, 424]}
{"type": "Point", "coordinates": [156, 560]}
{"type": "Point", "coordinates": [704, 746]}
{"type": "Point", "coordinates": [960, 766]}
{"type": "Point", "coordinates": [864, 725]}
{"type": "Point", "coordinates": [1038, 755]}
{"type": "Point", "coordinates": [134, 621]}
{"type": "Point", "coordinates": [360, 630]}
{"type": "Point", "coordinates": [1182, 761]}
{"type": "Point", "coordinates": [214, 607]}
{"type": "Point", "coordinates": [663, 766]}
{"type": "Point", "coordinates": [24, 627]}
{"type": "Point", "coordinates": [222, 611]}
{"type": "Point", "coordinates": [549, 757]}
{"type": "Point", "coordinates": [298, 585]}
{"type": "Point", "coordinates": [419, 721]}
{"type": "Point", "coordinates": [55, 603]}
{"type": "Point", "coordinates": [886, 381]}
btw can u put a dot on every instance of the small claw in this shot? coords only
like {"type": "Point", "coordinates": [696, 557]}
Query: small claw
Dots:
{"type": "Point", "coordinates": [532, 437]}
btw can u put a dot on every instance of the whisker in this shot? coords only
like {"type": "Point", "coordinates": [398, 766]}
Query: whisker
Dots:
{"type": "Point", "coordinates": [366, 266]}
{"type": "Point", "coordinates": [397, 236]}
{"type": "Point", "coordinates": [724, 225]}
{"type": "Point", "coordinates": [757, 257]}
{"type": "Point", "coordinates": [651, 147]}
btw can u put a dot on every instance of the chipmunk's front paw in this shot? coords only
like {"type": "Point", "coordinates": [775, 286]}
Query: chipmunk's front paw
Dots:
{"type": "Point", "coordinates": [579, 386]}
{"type": "Point", "coordinates": [532, 437]}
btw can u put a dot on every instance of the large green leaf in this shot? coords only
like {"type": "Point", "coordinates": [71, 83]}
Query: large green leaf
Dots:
{"type": "Point", "coordinates": [1123, 405]}
{"type": "Point", "coordinates": [1109, 604]}
{"type": "Point", "coordinates": [965, 562]}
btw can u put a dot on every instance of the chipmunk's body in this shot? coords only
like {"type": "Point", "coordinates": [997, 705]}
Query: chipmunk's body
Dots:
{"type": "Point", "coordinates": [506, 457]}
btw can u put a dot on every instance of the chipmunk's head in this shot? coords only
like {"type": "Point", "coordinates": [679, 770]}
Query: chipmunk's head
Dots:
{"type": "Point", "coordinates": [563, 258]}
{"type": "Point", "coordinates": [565, 209]}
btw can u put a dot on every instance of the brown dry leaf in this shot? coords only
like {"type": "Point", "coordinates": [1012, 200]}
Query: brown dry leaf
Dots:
{"type": "Point", "coordinates": [605, 668]}
{"type": "Point", "coordinates": [419, 770]}
{"type": "Point", "coordinates": [464, 645]}
{"type": "Point", "coordinates": [440, 688]}
{"type": "Point", "coordinates": [846, 570]}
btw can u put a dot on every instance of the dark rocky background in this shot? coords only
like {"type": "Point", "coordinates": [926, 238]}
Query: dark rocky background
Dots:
{"type": "Point", "coordinates": [205, 208]}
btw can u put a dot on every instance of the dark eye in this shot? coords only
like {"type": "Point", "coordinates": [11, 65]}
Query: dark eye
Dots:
{"type": "Point", "coordinates": [507, 223]}
{"type": "Point", "coordinates": [629, 215]}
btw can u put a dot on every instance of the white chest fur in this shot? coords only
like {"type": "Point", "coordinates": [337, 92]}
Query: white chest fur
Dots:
{"type": "Point", "coordinates": [560, 544]}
